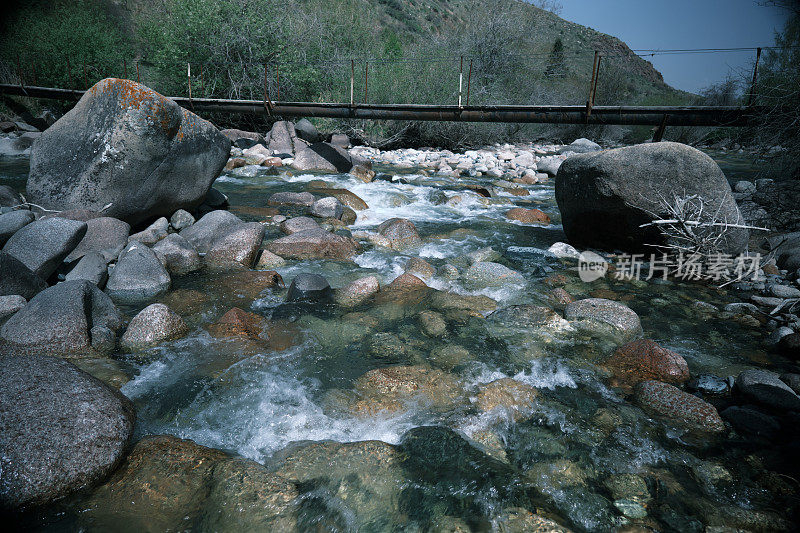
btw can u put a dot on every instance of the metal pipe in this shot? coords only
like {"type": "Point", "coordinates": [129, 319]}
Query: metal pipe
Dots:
{"type": "Point", "coordinates": [589, 99]}
{"type": "Point", "coordinates": [575, 114]}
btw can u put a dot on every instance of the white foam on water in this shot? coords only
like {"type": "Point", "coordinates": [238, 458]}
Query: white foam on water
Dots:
{"type": "Point", "coordinates": [547, 374]}
{"type": "Point", "coordinates": [257, 406]}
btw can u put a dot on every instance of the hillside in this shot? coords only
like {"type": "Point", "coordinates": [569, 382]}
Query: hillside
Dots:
{"type": "Point", "coordinates": [517, 53]}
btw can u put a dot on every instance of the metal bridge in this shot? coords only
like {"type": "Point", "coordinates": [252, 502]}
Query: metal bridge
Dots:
{"type": "Point", "coordinates": [589, 113]}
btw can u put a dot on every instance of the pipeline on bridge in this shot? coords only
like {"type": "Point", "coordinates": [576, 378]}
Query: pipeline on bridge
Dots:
{"type": "Point", "coordinates": [660, 116]}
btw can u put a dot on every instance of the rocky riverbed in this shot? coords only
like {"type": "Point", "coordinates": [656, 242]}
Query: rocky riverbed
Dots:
{"type": "Point", "coordinates": [399, 342]}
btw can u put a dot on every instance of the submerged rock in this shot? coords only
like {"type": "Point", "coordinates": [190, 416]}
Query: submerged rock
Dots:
{"type": "Point", "coordinates": [168, 484]}
{"type": "Point", "coordinates": [593, 312]}
{"type": "Point", "coordinates": [89, 159]}
{"type": "Point", "coordinates": [305, 199]}
{"type": "Point", "coordinates": [237, 323]}
{"type": "Point", "coordinates": [604, 197]}
{"type": "Point", "coordinates": [153, 325]}
{"type": "Point", "coordinates": [62, 319]}
{"type": "Point", "coordinates": [362, 482]}
{"type": "Point", "coordinates": [484, 274]}
{"type": "Point", "coordinates": [644, 360]}
{"type": "Point", "coordinates": [514, 398]}
{"type": "Point", "coordinates": [63, 430]}
{"type": "Point", "coordinates": [684, 409]}
{"type": "Point", "coordinates": [396, 388]}
{"type": "Point", "coordinates": [42, 245]}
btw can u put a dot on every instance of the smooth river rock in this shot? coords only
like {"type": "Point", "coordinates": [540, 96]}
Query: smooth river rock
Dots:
{"type": "Point", "coordinates": [205, 231]}
{"type": "Point", "coordinates": [62, 319]}
{"type": "Point", "coordinates": [16, 278]}
{"type": "Point", "coordinates": [60, 429]}
{"type": "Point", "coordinates": [622, 320]}
{"type": "Point", "coordinates": [44, 244]}
{"type": "Point", "coordinates": [106, 236]}
{"type": "Point", "coordinates": [154, 324]}
{"type": "Point", "coordinates": [12, 222]}
{"type": "Point", "coordinates": [138, 276]}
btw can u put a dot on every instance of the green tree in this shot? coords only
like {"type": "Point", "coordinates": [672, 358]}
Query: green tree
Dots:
{"type": "Point", "coordinates": [556, 66]}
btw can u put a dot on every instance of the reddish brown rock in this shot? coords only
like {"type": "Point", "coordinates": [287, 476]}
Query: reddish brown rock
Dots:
{"type": "Point", "coordinates": [519, 192]}
{"type": "Point", "coordinates": [644, 360]}
{"type": "Point", "coordinates": [406, 282]}
{"type": "Point", "coordinates": [237, 322]}
{"type": "Point", "coordinates": [685, 410]}
{"type": "Point", "coordinates": [314, 244]}
{"type": "Point", "coordinates": [561, 297]}
{"type": "Point", "coordinates": [528, 216]}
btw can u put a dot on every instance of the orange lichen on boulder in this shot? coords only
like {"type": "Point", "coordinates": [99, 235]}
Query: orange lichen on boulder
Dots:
{"type": "Point", "coordinates": [644, 360]}
{"type": "Point", "coordinates": [130, 94]}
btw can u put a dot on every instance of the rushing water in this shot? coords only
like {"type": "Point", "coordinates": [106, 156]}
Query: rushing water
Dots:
{"type": "Point", "coordinates": [581, 436]}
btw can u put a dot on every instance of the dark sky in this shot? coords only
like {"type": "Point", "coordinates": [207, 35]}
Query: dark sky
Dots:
{"type": "Point", "coordinates": [680, 24]}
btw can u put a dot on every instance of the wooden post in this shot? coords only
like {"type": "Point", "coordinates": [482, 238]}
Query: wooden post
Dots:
{"type": "Point", "coordinates": [267, 99]}
{"type": "Point", "coordinates": [596, 79]}
{"type": "Point", "coordinates": [469, 80]}
{"type": "Point", "coordinates": [19, 73]}
{"type": "Point", "coordinates": [352, 81]}
{"type": "Point", "coordinates": [460, 79]}
{"type": "Point", "coordinates": [752, 96]}
{"type": "Point", "coordinates": [659, 134]}
{"type": "Point", "coordinates": [189, 80]}
{"type": "Point", "coordinates": [590, 99]}
{"type": "Point", "coordinates": [69, 75]}
{"type": "Point", "coordinates": [366, 80]}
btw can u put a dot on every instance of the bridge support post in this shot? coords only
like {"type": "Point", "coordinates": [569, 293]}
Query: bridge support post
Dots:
{"type": "Point", "coordinates": [590, 100]}
{"type": "Point", "coordinates": [469, 80]}
{"type": "Point", "coordinates": [460, 80]}
{"type": "Point", "coordinates": [659, 134]}
{"type": "Point", "coordinates": [752, 96]}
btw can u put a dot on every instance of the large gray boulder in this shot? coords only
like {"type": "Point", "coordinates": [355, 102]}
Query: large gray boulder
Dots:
{"type": "Point", "coordinates": [138, 277]}
{"type": "Point", "coordinates": [43, 245]}
{"type": "Point", "coordinates": [16, 278]}
{"type": "Point", "coordinates": [62, 319]}
{"type": "Point", "coordinates": [12, 222]}
{"type": "Point", "coordinates": [60, 429]}
{"type": "Point", "coordinates": [126, 145]}
{"type": "Point", "coordinates": [605, 196]}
